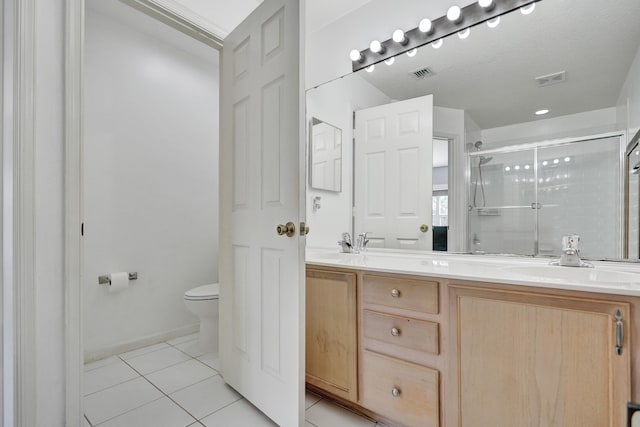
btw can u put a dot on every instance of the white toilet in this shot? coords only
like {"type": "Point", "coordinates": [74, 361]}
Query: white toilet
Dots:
{"type": "Point", "coordinates": [203, 302]}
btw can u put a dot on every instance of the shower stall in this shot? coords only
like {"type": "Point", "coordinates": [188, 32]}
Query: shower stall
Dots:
{"type": "Point", "coordinates": [524, 198]}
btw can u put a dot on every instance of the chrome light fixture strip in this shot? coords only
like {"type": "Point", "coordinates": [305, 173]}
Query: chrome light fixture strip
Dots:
{"type": "Point", "coordinates": [472, 15]}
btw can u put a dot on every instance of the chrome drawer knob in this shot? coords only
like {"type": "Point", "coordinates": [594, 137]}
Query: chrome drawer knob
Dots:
{"type": "Point", "coordinates": [395, 332]}
{"type": "Point", "coordinates": [395, 293]}
{"type": "Point", "coordinates": [395, 392]}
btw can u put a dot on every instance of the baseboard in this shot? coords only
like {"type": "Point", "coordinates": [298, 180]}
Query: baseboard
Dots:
{"type": "Point", "coordinates": [101, 353]}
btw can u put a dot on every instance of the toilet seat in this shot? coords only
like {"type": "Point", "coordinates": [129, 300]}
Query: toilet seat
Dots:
{"type": "Point", "coordinates": [203, 293]}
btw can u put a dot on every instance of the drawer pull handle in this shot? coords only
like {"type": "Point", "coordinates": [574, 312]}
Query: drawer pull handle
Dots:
{"type": "Point", "coordinates": [395, 392]}
{"type": "Point", "coordinates": [395, 332]}
{"type": "Point", "coordinates": [395, 293]}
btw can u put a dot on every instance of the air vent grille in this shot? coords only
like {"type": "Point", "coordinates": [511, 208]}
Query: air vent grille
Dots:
{"type": "Point", "coordinates": [551, 79]}
{"type": "Point", "coordinates": [422, 73]}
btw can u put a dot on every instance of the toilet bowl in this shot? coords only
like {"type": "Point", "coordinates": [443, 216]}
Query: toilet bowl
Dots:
{"type": "Point", "coordinates": [203, 302]}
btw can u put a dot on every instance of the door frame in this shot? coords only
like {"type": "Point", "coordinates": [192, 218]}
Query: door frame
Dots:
{"type": "Point", "coordinates": [167, 12]}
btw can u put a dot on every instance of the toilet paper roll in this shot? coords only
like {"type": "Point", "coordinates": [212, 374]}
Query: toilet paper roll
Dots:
{"type": "Point", "coordinates": [119, 281]}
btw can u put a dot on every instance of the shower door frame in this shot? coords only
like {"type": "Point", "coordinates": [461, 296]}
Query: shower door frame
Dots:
{"type": "Point", "coordinates": [621, 135]}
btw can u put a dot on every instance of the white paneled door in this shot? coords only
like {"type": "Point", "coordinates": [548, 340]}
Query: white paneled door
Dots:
{"type": "Point", "coordinates": [393, 174]}
{"type": "Point", "coordinates": [261, 272]}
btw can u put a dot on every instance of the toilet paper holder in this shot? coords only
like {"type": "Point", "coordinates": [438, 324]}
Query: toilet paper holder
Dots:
{"type": "Point", "coordinates": [105, 280]}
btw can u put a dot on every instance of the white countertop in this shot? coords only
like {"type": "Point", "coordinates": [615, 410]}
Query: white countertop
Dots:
{"type": "Point", "coordinates": [607, 277]}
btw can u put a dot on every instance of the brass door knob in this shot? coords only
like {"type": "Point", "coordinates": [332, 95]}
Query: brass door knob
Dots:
{"type": "Point", "coordinates": [395, 293]}
{"type": "Point", "coordinates": [395, 332]}
{"type": "Point", "coordinates": [289, 229]}
{"type": "Point", "coordinates": [304, 229]}
{"type": "Point", "coordinates": [424, 228]}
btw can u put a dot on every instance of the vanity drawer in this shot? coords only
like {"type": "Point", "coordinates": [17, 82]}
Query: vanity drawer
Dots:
{"type": "Point", "coordinates": [401, 331]}
{"type": "Point", "coordinates": [401, 391]}
{"type": "Point", "coordinates": [406, 294]}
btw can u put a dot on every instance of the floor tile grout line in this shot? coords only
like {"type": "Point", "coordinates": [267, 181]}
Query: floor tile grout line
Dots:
{"type": "Point", "coordinates": [126, 412]}
{"type": "Point", "coordinates": [221, 408]}
{"type": "Point", "coordinates": [114, 385]}
{"type": "Point", "coordinates": [169, 397]}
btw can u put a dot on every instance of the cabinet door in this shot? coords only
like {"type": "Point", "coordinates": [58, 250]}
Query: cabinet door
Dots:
{"type": "Point", "coordinates": [533, 360]}
{"type": "Point", "coordinates": [331, 340]}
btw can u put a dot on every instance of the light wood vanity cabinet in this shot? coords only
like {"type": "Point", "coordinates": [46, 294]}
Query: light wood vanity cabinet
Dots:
{"type": "Point", "coordinates": [421, 352]}
{"type": "Point", "coordinates": [399, 333]}
{"type": "Point", "coordinates": [527, 359]}
{"type": "Point", "coordinates": [331, 332]}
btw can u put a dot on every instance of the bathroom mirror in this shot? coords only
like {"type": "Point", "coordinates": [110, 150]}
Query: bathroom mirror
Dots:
{"type": "Point", "coordinates": [325, 156]}
{"type": "Point", "coordinates": [538, 112]}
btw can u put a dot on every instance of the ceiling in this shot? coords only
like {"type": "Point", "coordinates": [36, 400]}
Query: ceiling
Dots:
{"type": "Point", "coordinates": [226, 15]}
{"type": "Point", "coordinates": [320, 13]}
{"type": "Point", "coordinates": [491, 73]}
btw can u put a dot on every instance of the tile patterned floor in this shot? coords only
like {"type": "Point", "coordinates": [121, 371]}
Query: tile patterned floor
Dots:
{"type": "Point", "coordinates": [173, 384]}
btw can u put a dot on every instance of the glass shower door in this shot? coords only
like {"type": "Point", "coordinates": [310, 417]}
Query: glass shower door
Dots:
{"type": "Point", "coordinates": [579, 191]}
{"type": "Point", "coordinates": [502, 198]}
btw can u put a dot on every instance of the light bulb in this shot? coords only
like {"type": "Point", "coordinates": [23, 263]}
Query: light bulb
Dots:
{"type": "Point", "coordinates": [464, 33]}
{"type": "Point", "coordinates": [542, 112]}
{"type": "Point", "coordinates": [370, 68]}
{"type": "Point", "coordinates": [507, 168]}
{"type": "Point", "coordinates": [390, 61]}
{"type": "Point", "coordinates": [454, 13]}
{"type": "Point", "coordinates": [526, 10]}
{"type": "Point", "coordinates": [355, 55]}
{"type": "Point", "coordinates": [492, 23]}
{"type": "Point", "coordinates": [567, 159]}
{"type": "Point", "coordinates": [527, 167]}
{"type": "Point", "coordinates": [412, 52]}
{"type": "Point", "coordinates": [545, 163]}
{"type": "Point", "coordinates": [437, 44]}
{"type": "Point", "coordinates": [425, 25]}
{"type": "Point", "coordinates": [485, 3]}
{"type": "Point", "coordinates": [517, 167]}
{"type": "Point", "coordinates": [375, 46]}
{"type": "Point", "coordinates": [398, 37]}
{"type": "Point", "coordinates": [556, 161]}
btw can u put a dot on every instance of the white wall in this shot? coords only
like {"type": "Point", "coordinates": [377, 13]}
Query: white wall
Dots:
{"type": "Point", "coordinates": [628, 112]}
{"type": "Point", "coordinates": [151, 177]}
{"type": "Point", "coordinates": [572, 125]}
{"type": "Point", "coordinates": [334, 103]}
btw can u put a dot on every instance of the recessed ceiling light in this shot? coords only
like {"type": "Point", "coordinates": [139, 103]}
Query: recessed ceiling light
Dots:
{"type": "Point", "coordinates": [541, 112]}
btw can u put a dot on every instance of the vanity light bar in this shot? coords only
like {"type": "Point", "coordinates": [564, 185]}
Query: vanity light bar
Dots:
{"type": "Point", "coordinates": [470, 16]}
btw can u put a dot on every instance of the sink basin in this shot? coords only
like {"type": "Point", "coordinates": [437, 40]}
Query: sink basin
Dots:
{"type": "Point", "coordinates": [575, 274]}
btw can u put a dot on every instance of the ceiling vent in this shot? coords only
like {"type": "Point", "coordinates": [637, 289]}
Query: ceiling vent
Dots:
{"type": "Point", "coordinates": [421, 74]}
{"type": "Point", "coordinates": [551, 79]}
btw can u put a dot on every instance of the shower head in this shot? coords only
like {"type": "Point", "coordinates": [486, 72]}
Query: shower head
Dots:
{"type": "Point", "coordinates": [484, 160]}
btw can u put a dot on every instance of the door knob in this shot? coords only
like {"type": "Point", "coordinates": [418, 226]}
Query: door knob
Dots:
{"type": "Point", "coordinates": [424, 228]}
{"type": "Point", "coordinates": [304, 229]}
{"type": "Point", "coordinates": [289, 229]}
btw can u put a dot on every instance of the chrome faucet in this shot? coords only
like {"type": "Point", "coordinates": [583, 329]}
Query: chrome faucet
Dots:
{"type": "Point", "coordinates": [361, 242]}
{"type": "Point", "coordinates": [359, 246]}
{"type": "Point", "coordinates": [345, 243]}
{"type": "Point", "coordinates": [570, 256]}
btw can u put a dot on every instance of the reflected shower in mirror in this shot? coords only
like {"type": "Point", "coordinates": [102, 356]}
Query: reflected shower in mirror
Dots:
{"type": "Point", "coordinates": [325, 156]}
{"type": "Point", "coordinates": [515, 101]}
